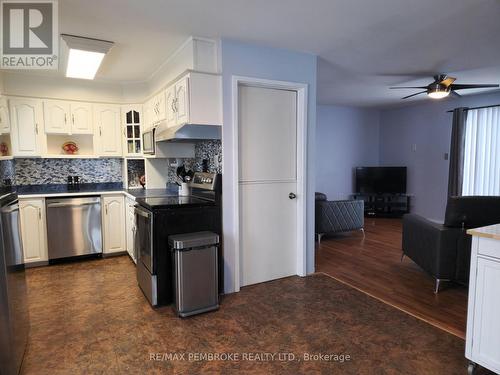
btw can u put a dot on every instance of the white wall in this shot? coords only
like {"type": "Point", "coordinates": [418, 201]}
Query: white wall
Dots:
{"type": "Point", "coordinates": [248, 60]}
{"type": "Point", "coordinates": [346, 137]}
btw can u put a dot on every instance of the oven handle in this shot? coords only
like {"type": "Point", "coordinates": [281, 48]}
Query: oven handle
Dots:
{"type": "Point", "coordinates": [142, 213]}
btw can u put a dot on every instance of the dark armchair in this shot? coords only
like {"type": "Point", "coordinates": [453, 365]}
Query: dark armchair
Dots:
{"type": "Point", "coordinates": [443, 250]}
{"type": "Point", "coordinates": [337, 216]}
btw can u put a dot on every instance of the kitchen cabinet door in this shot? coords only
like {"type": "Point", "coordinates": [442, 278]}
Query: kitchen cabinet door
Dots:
{"type": "Point", "coordinates": [171, 114]}
{"type": "Point", "coordinates": [81, 118]}
{"type": "Point", "coordinates": [486, 327]}
{"type": "Point", "coordinates": [182, 101]}
{"type": "Point", "coordinates": [113, 224]}
{"type": "Point", "coordinates": [147, 110]}
{"type": "Point", "coordinates": [26, 127]}
{"type": "Point", "coordinates": [33, 229]}
{"type": "Point", "coordinates": [131, 119]}
{"type": "Point", "coordinates": [160, 106]}
{"type": "Point", "coordinates": [108, 130]}
{"type": "Point", "coordinates": [130, 227]}
{"type": "Point", "coordinates": [4, 117]}
{"type": "Point", "coordinates": [56, 115]}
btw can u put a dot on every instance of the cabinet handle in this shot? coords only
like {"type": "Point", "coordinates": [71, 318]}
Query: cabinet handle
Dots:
{"type": "Point", "coordinates": [106, 209]}
{"type": "Point", "coordinates": [65, 119]}
{"type": "Point", "coordinates": [39, 214]}
{"type": "Point", "coordinates": [36, 128]}
{"type": "Point", "coordinates": [73, 119]}
{"type": "Point", "coordinates": [100, 130]}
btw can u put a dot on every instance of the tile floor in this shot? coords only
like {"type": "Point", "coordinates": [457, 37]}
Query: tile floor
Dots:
{"type": "Point", "coordinates": [91, 318]}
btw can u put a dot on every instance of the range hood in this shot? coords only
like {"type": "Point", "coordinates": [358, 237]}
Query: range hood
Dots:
{"type": "Point", "coordinates": [187, 133]}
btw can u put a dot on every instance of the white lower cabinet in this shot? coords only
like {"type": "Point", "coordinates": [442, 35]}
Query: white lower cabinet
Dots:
{"type": "Point", "coordinates": [483, 323]}
{"type": "Point", "coordinates": [113, 223]}
{"type": "Point", "coordinates": [33, 229]}
{"type": "Point", "coordinates": [130, 227]}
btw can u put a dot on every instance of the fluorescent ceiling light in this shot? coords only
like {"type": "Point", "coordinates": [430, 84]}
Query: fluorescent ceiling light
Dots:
{"type": "Point", "coordinates": [85, 55]}
{"type": "Point", "coordinates": [83, 64]}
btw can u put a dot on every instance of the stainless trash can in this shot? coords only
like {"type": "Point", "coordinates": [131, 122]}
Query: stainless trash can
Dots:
{"type": "Point", "coordinates": [195, 272]}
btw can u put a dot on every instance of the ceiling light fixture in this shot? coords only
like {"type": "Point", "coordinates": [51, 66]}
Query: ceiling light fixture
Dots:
{"type": "Point", "coordinates": [438, 91]}
{"type": "Point", "coordinates": [85, 55]}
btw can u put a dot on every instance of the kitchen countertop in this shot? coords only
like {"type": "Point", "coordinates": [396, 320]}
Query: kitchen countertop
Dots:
{"type": "Point", "coordinates": [491, 231]}
{"type": "Point", "coordinates": [59, 190]}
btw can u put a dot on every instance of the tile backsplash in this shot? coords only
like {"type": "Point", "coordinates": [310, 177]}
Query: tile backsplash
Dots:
{"type": "Point", "coordinates": [32, 171]}
{"type": "Point", "coordinates": [209, 150]}
{"type": "Point", "coordinates": [56, 171]}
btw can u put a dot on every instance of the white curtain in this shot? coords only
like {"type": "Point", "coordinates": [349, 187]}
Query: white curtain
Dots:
{"type": "Point", "coordinates": [482, 152]}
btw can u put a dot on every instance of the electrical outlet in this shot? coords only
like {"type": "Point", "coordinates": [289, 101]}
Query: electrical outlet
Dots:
{"type": "Point", "coordinates": [446, 156]}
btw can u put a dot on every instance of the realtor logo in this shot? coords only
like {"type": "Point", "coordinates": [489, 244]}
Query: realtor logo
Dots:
{"type": "Point", "coordinates": [29, 34]}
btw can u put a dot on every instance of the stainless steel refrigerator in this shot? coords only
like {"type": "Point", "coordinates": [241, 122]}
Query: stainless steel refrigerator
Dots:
{"type": "Point", "coordinates": [14, 317]}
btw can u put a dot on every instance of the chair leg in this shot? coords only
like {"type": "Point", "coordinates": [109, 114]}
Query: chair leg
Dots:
{"type": "Point", "coordinates": [319, 237]}
{"type": "Point", "coordinates": [438, 284]}
{"type": "Point", "coordinates": [402, 257]}
{"type": "Point", "coordinates": [363, 231]}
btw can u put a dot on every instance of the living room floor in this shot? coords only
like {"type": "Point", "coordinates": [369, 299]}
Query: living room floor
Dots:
{"type": "Point", "coordinates": [372, 264]}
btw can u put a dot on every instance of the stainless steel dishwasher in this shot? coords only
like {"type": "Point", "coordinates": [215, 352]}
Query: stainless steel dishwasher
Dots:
{"type": "Point", "coordinates": [73, 227]}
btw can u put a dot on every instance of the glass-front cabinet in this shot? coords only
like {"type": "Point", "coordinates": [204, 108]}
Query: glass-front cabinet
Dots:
{"type": "Point", "coordinates": [132, 116]}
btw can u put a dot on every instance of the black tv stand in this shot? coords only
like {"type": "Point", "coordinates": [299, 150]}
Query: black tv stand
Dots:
{"type": "Point", "coordinates": [385, 205]}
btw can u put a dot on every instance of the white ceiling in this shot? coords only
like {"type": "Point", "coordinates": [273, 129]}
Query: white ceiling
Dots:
{"type": "Point", "coordinates": [364, 46]}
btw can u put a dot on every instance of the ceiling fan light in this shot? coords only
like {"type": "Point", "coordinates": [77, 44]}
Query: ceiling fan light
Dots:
{"type": "Point", "coordinates": [438, 91]}
{"type": "Point", "coordinates": [438, 94]}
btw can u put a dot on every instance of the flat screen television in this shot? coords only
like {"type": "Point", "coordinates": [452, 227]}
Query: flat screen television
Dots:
{"type": "Point", "coordinates": [381, 180]}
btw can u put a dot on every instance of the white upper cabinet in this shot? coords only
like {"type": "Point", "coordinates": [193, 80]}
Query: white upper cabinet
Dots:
{"type": "Point", "coordinates": [81, 118]}
{"type": "Point", "coordinates": [26, 127]}
{"type": "Point", "coordinates": [57, 116]}
{"type": "Point", "coordinates": [108, 129]}
{"type": "Point", "coordinates": [131, 120]}
{"type": "Point", "coordinates": [182, 100]}
{"type": "Point", "coordinates": [196, 98]}
{"type": "Point", "coordinates": [159, 107]}
{"type": "Point", "coordinates": [171, 115]}
{"type": "Point", "coordinates": [4, 117]}
{"type": "Point", "coordinates": [64, 117]}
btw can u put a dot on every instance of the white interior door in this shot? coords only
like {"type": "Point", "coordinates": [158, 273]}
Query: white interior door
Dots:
{"type": "Point", "coordinates": [267, 176]}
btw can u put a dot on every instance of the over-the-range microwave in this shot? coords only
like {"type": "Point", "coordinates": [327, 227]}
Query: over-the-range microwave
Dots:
{"type": "Point", "coordinates": [148, 142]}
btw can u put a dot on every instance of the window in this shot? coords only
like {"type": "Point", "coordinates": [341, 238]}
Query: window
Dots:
{"type": "Point", "coordinates": [482, 152]}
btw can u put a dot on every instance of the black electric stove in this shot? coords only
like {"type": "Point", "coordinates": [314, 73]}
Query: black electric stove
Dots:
{"type": "Point", "coordinates": [173, 201]}
{"type": "Point", "coordinates": [159, 218]}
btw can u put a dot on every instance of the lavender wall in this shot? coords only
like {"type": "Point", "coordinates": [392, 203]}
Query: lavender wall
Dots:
{"type": "Point", "coordinates": [241, 59]}
{"type": "Point", "coordinates": [428, 127]}
{"type": "Point", "coordinates": [346, 137]}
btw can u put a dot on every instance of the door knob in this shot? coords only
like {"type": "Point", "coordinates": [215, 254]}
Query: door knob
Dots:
{"type": "Point", "coordinates": [292, 196]}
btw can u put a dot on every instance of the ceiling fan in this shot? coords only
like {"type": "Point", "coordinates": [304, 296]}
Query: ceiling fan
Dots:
{"type": "Point", "coordinates": [442, 87]}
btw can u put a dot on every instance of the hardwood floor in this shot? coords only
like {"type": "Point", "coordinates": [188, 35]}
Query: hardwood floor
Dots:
{"type": "Point", "coordinates": [373, 265]}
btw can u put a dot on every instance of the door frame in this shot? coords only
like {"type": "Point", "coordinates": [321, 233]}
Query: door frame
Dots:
{"type": "Point", "coordinates": [301, 90]}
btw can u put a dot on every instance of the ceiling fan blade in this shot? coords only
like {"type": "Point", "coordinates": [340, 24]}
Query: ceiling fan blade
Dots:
{"type": "Point", "coordinates": [409, 87]}
{"type": "Point", "coordinates": [455, 94]}
{"type": "Point", "coordinates": [448, 81]}
{"type": "Point", "coordinates": [418, 93]}
{"type": "Point", "coordinates": [472, 86]}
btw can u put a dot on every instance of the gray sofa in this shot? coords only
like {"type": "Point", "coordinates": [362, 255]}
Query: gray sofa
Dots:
{"type": "Point", "coordinates": [337, 216]}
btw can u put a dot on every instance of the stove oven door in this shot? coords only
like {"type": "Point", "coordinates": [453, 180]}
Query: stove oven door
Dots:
{"type": "Point", "coordinates": [144, 238]}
